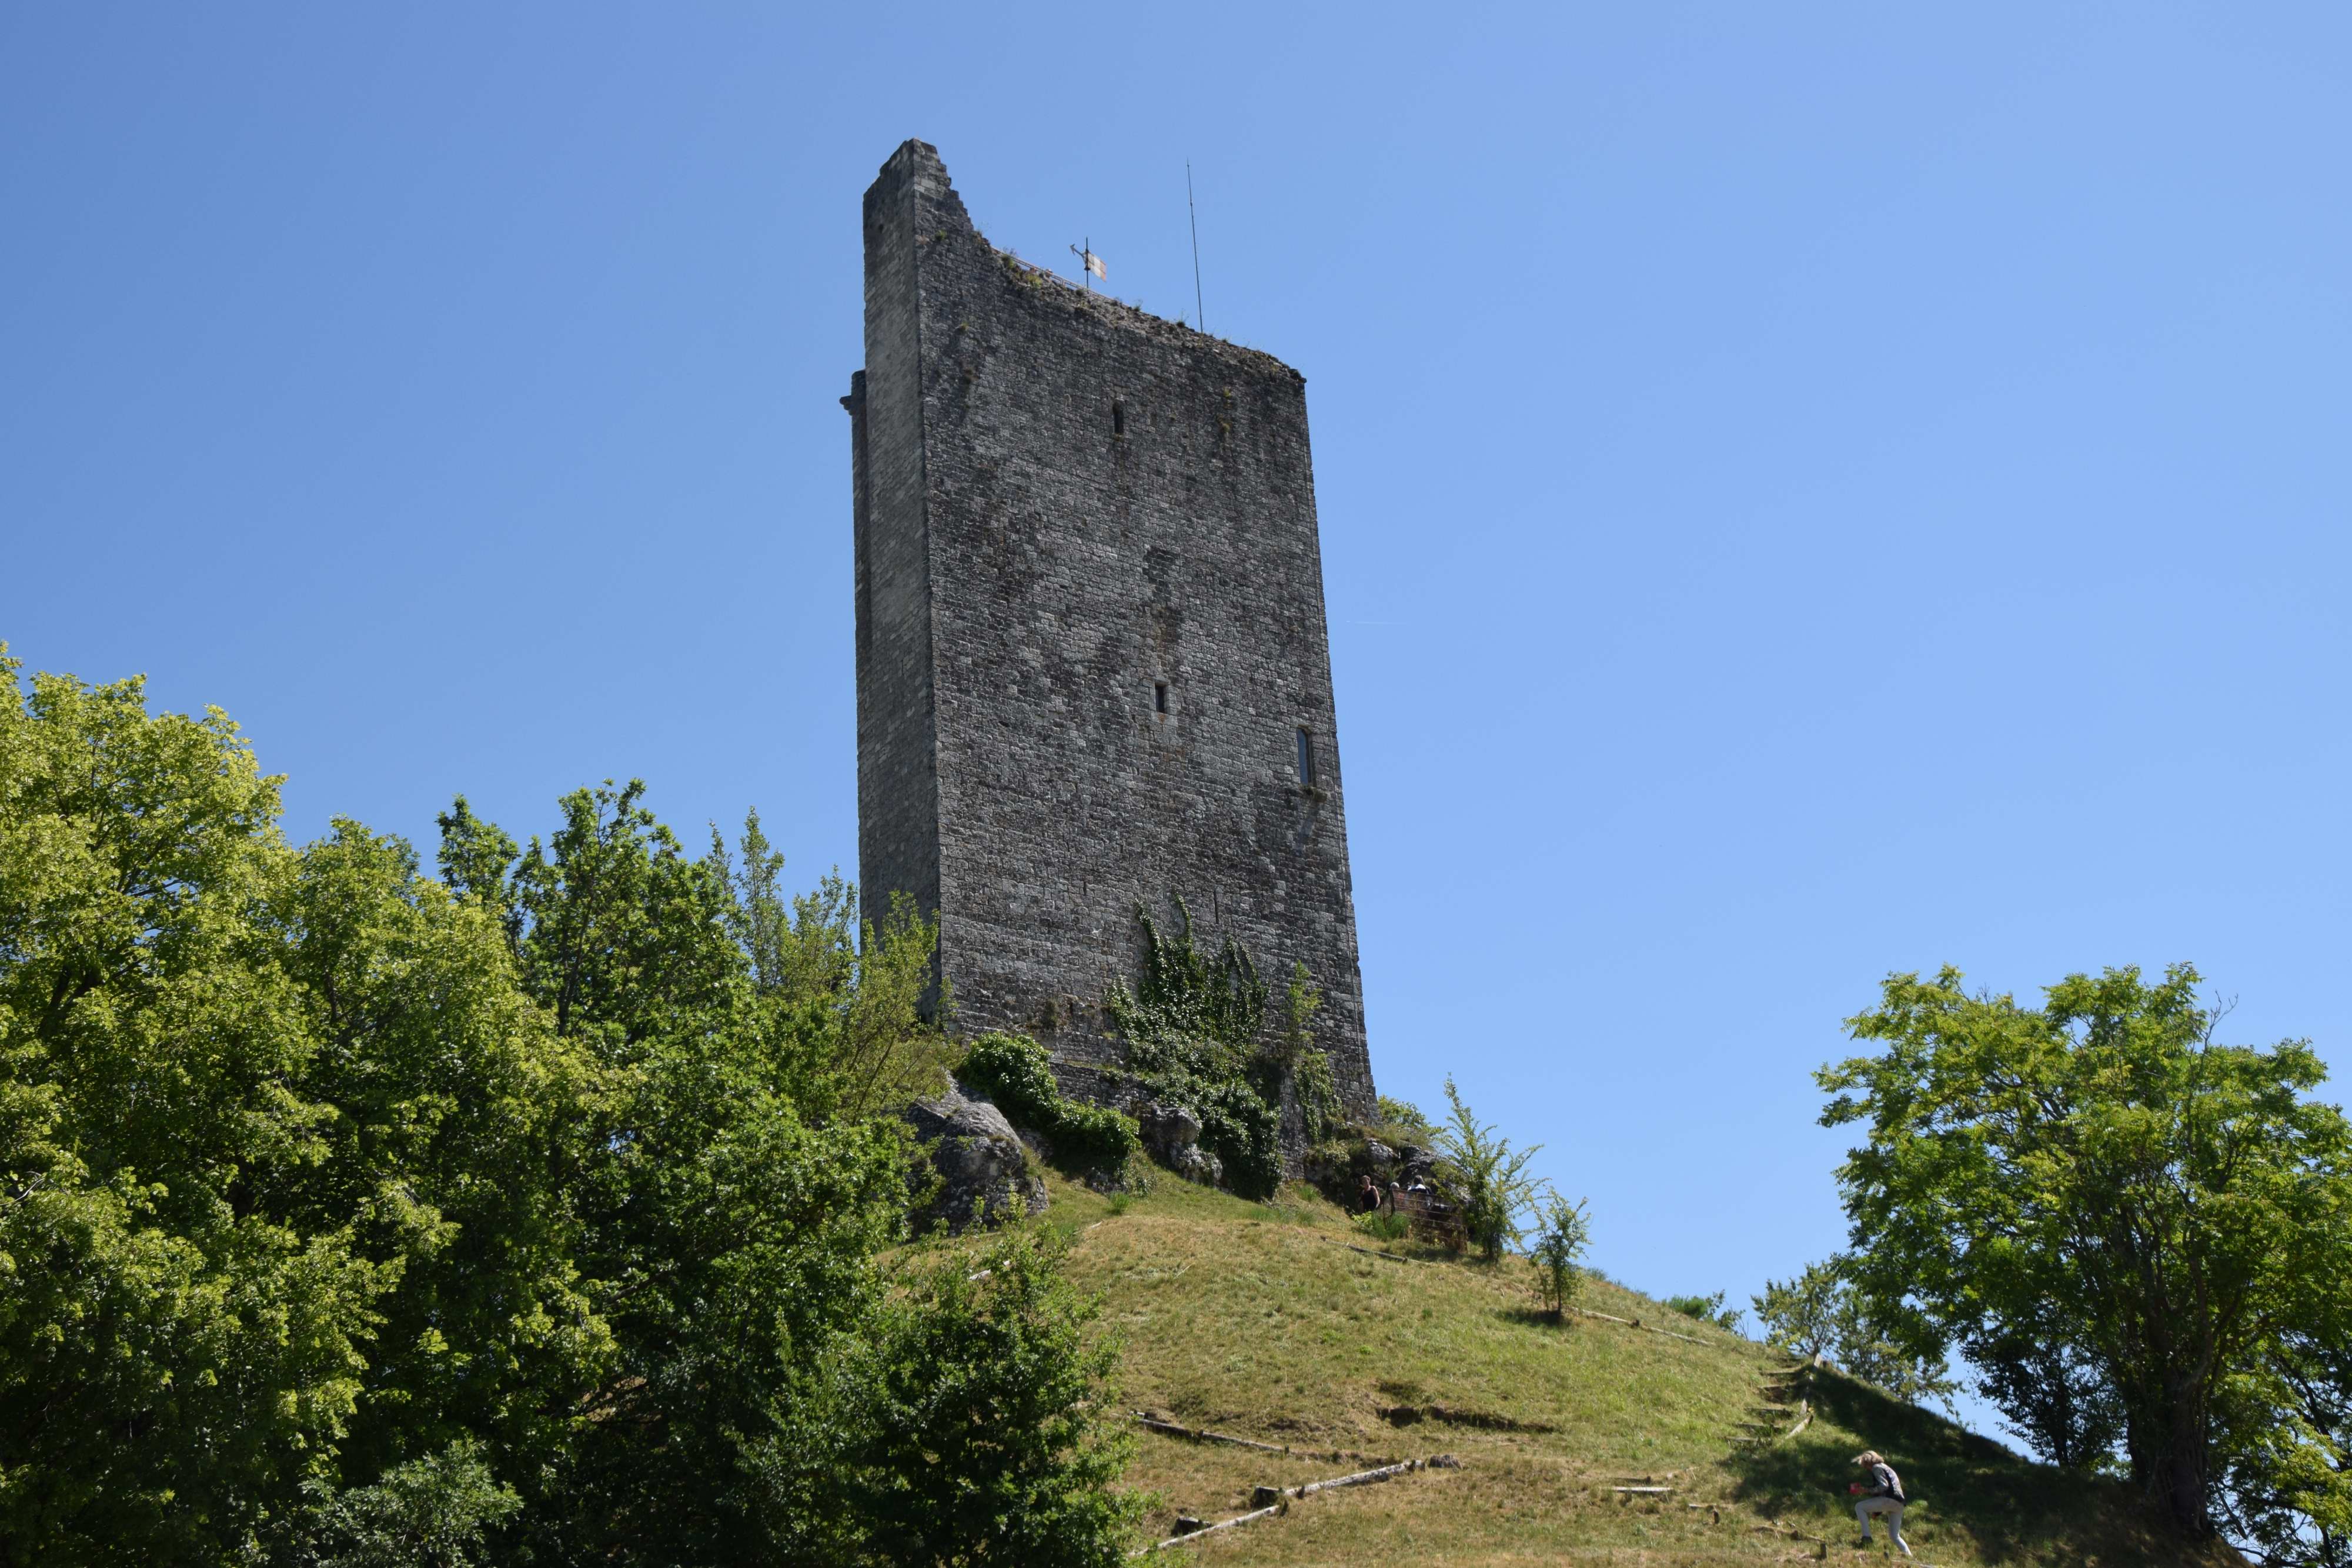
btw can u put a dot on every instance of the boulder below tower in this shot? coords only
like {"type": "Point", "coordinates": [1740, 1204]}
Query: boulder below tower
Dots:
{"type": "Point", "coordinates": [983, 1171]}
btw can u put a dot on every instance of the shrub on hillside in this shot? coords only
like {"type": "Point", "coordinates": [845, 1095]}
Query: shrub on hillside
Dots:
{"type": "Point", "coordinates": [976, 1396]}
{"type": "Point", "coordinates": [1562, 1236]}
{"type": "Point", "coordinates": [1820, 1312]}
{"type": "Point", "coordinates": [1404, 1121]}
{"type": "Point", "coordinates": [1706, 1310]}
{"type": "Point", "coordinates": [1245, 1133]}
{"type": "Point", "coordinates": [1014, 1070]}
{"type": "Point", "coordinates": [1495, 1190]}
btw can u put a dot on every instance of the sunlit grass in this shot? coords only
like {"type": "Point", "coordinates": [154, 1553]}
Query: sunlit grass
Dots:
{"type": "Point", "coordinates": [1259, 1320]}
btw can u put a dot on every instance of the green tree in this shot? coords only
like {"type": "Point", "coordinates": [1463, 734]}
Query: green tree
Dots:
{"type": "Point", "coordinates": [1820, 1314]}
{"type": "Point", "coordinates": [745, 1171]}
{"type": "Point", "coordinates": [725, 1242]}
{"type": "Point", "coordinates": [352, 1217]}
{"type": "Point", "coordinates": [277, 1203]}
{"type": "Point", "coordinates": [475, 859]}
{"type": "Point", "coordinates": [1805, 1316]}
{"type": "Point", "coordinates": [800, 947]}
{"type": "Point", "coordinates": [433, 1511]}
{"type": "Point", "coordinates": [1497, 1190]}
{"type": "Point", "coordinates": [975, 1394]}
{"type": "Point", "coordinates": [2105, 1158]}
{"type": "Point", "coordinates": [1562, 1233]}
{"type": "Point", "coordinates": [2285, 1436]}
{"type": "Point", "coordinates": [455, 1113]}
{"type": "Point", "coordinates": [2052, 1390]}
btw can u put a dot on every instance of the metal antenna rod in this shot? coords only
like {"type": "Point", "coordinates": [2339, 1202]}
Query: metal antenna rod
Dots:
{"type": "Point", "coordinates": [1200, 316]}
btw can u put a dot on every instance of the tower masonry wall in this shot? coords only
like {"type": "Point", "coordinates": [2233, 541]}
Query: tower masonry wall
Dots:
{"type": "Point", "coordinates": [1090, 635]}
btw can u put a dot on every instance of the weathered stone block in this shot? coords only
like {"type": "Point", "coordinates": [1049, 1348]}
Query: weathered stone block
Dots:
{"type": "Point", "coordinates": [983, 1170]}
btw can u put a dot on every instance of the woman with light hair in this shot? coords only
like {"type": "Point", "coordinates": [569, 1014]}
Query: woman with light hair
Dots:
{"type": "Point", "coordinates": [1881, 1499]}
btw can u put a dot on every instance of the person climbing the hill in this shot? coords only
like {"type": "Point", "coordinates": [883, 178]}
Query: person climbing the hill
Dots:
{"type": "Point", "coordinates": [1881, 1498]}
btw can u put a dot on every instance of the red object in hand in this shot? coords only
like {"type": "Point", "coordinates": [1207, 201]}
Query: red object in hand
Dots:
{"type": "Point", "coordinates": [1854, 1488]}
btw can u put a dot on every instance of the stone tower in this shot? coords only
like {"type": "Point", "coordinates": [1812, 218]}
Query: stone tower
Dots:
{"type": "Point", "coordinates": [1092, 665]}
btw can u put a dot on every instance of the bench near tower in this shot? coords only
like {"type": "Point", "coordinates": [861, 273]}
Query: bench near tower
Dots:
{"type": "Point", "coordinates": [1093, 671]}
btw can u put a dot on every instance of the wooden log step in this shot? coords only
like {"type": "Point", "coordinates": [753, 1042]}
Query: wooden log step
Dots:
{"type": "Point", "coordinates": [1361, 1477]}
{"type": "Point", "coordinates": [1282, 1498]}
{"type": "Point", "coordinates": [1184, 1535]}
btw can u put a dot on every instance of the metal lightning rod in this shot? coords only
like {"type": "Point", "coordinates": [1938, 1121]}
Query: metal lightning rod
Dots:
{"type": "Point", "coordinates": [1200, 316]}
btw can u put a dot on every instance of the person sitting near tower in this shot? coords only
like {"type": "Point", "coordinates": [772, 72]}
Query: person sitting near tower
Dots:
{"type": "Point", "coordinates": [1882, 1498]}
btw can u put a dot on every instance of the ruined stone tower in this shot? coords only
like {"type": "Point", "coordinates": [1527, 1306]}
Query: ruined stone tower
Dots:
{"type": "Point", "coordinates": [1092, 666]}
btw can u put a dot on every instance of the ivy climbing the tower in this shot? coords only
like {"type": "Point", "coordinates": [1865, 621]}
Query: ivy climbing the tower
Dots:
{"type": "Point", "coordinates": [1196, 1026]}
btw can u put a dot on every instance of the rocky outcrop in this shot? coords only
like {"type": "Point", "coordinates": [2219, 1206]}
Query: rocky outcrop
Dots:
{"type": "Point", "coordinates": [1171, 1134]}
{"type": "Point", "coordinates": [1337, 1169]}
{"type": "Point", "coordinates": [983, 1171]}
{"type": "Point", "coordinates": [1415, 1165]}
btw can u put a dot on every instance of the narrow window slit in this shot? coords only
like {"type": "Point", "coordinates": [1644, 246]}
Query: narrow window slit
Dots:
{"type": "Point", "coordinates": [1159, 697]}
{"type": "Point", "coordinates": [1306, 757]}
{"type": "Point", "coordinates": [1118, 419]}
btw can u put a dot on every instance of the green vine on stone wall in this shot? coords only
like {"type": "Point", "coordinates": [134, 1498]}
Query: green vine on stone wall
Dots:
{"type": "Point", "coordinates": [1195, 1027]}
{"type": "Point", "coordinates": [1309, 1070]}
{"type": "Point", "coordinates": [1182, 991]}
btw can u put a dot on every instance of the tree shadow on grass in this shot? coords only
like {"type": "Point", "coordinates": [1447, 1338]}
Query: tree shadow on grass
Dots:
{"type": "Point", "coordinates": [2013, 1509]}
{"type": "Point", "coordinates": [1534, 1317]}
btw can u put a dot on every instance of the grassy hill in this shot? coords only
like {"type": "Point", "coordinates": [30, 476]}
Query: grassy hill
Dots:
{"type": "Point", "coordinates": [1259, 1321]}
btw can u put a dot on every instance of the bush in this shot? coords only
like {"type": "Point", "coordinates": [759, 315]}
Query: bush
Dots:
{"type": "Point", "coordinates": [1706, 1310]}
{"type": "Point", "coordinates": [1243, 1132]}
{"type": "Point", "coordinates": [431, 1512]}
{"type": "Point", "coordinates": [1382, 1226]}
{"type": "Point", "coordinates": [1495, 1190]}
{"type": "Point", "coordinates": [1094, 1137]}
{"type": "Point", "coordinates": [1405, 1121]}
{"type": "Point", "coordinates": [1562, 1236]}
{"type": "Point", "coordinates": [984, 1403]}
{"type": "Point", "coordinates": [1014, 1070]}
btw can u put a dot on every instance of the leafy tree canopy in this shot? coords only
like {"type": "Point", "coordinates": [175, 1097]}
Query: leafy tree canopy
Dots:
{"type": "Point", "coordinates": [537, 1213]}
{"type": "Point", "coordinates": [2102, 1177]}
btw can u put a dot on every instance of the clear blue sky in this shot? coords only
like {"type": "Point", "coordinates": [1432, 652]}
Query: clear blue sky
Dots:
{"type": "Point", "coordinates": [1804, 496]}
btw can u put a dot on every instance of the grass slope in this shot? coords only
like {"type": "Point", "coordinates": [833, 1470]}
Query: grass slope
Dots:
{"type": "Point", "coordinates": [1257, 1320]}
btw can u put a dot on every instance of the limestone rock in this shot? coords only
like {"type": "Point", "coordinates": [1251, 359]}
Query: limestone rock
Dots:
{"type": "Point", "coordinates": [1171, 1134]}
{"type": "Point", "coordinates": [1418, 1164]}
{"type": "Point", "coordinates": [982, 1167]}
{"type": "Point", "coordinates": [1167, 1128]}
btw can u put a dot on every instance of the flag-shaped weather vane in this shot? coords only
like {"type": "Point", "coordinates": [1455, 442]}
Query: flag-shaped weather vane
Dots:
{"type": "Point", "coordinates": [1090, 265]}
